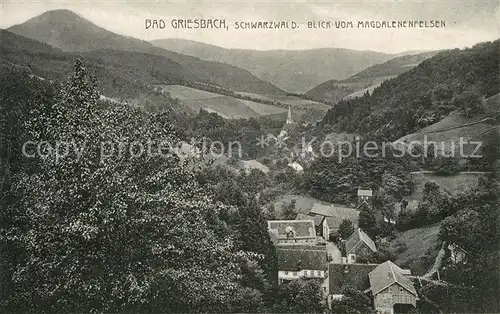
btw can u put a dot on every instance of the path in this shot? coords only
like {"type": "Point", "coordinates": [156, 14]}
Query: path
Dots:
{"type": "Point", "coordinates": [437, 262]}
{"type": "Point", "coordinates": [334, 252]}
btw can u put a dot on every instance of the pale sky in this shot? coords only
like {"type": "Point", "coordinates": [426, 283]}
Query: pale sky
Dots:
{"type": "Point", "coordinates": [467, 22]}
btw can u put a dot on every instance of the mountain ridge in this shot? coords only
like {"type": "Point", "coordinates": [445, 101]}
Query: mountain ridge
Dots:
{"type": "Point", "coordinates": [292, 70]}
{"type": "Point", "coordinates": [70, 32]}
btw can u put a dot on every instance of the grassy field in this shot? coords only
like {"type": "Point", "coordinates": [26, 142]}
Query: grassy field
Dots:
{"type": "Point", "coordinates": [447, 132]}
{"type": "Point", "coordinates": [376, 83]}
{"type": "Point", "coordinates": [422, 246]}
{"type": "Point", "coordinates": [187, 93]}
{"type": "Point", "coordinates": [451, 184]}
{"type": "Point", "coordinates": [293, 101]}
{"type": "Point", "coordinates": [226, 106]}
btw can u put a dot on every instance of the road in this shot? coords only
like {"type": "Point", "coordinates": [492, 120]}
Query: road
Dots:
{"type": "Point", "coordinates": [334, 252]}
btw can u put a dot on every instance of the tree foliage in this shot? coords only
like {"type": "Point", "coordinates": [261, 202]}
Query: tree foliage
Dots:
{"type": "Point", "coordinates": [299, 296]}
{"type": "Point", "coordinates": [352, 302]}
{"type": "Point", "coordinates": [123, 233]}
{"type": "Point", "coordinates": [451, 80]}
{"type": "Point", "coordinates": [346, 228]}
{"type": "Point", "coordinates": [366, 220]}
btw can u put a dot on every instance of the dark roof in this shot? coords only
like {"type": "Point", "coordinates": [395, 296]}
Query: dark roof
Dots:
{"type": "Point", "coordinates": [293, 258]}
{"type": "Point", "coordinates": [318, 220]}
{"type": "Point", "coordinates": [387, 274]}
{"type": "Point", "coordinates": [356, 238]}
{"type": "Point", "coordinates": [300, 228]}
{"type": "Point", "coordinates": [335, 214]}
{"type": "Point", "coordinates": [355, 276]}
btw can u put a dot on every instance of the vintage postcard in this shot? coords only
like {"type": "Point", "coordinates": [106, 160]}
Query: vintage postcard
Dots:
{"type": "Point", "coordinates": [198, 156]}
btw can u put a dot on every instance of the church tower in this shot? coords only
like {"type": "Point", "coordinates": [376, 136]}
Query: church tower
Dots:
{"type": "Point", "coordinates": [289, 124]}
{"type": "Point", "coordinates": [289, 119]}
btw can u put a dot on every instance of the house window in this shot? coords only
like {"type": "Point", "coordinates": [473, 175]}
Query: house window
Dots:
{"type": "Point", "coordinates": [286, 272]}
{"type": "Point", "coordinates": [294, 273]}
{"type": "Point", "coordinates": [400, 289]}
{"type": "Point", "coordinates": [317, 273]}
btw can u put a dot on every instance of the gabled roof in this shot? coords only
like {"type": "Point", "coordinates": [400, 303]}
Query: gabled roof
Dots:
{"type": "Point", "coordinates": [294, 258]}
{"type": "Point", "coordinates": [335, 214]}
{"type": "Point", "coordinates": [386, 274]}
{"type": "Point", "coordinates": [320, 209]}
{"type": "Point", "coordinates": [365, 192]}
{"type": "Point", "coordinates": [301, 228]}
{"type": "Point", "coordinates": [355, 276]}
{"type": "Point", "coordinates": [357, 238]}
{"type": "Point", "coordinates": [318, 220]}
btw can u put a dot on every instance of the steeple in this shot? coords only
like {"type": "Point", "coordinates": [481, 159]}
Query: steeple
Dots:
{"type": "Point", "coordinates": [289, 119]}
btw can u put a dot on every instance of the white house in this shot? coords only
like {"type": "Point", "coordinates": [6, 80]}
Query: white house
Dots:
{"type": "Point", "coordinates": [299, 261]}
{"type": "Point", "coordinates": [296, 166]}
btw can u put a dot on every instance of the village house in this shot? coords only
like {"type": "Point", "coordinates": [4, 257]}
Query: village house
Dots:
{"type": "Point", "coordinates": [388, 285]}
{"type": "Point", "coordinates": [331, 217]}
{"type": "Point", "coordinates": [391, 289]}
{"type": "Point", "coordinates": [359, 244]}
{"type": "Point", "coordinates": [318, 223]}
{"type": "Point", "coordinates": [364, 196]}
{"type": "Point", "coordinates": [304, 261]}
{"type": "Point", "coordinates": [285, 232]}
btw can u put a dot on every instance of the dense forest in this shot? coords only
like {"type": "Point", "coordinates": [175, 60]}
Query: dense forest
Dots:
{"type": "Point", "coordinates": [451, 80]}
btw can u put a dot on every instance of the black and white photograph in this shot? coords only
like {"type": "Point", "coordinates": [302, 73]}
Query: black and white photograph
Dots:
{"type": "Point", "coordinates": [275, 156]}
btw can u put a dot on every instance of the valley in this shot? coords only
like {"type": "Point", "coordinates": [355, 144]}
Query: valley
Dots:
{"type": "Point", "coordinates": [294, 215]}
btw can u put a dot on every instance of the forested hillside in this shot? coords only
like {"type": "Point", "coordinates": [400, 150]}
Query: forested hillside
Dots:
{"type": "Point", "coordinates": [334, 90]}
{"type": "Point", "coordinates": [70, 32]}
{"type": "Point", "coordinates": [451, 80]}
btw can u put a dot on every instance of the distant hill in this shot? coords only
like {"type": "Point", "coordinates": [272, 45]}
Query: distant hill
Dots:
{"type": "Point", "coordinates": [121, 74]}
{"type": "Point", "coordinates": [451, 80]}
{"type": "Point", "coordinates": [366, 80]}
{"type": "Point", "coordinates": [294, 71]}
{"type": "Point", "coordinates": [72, 33]}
